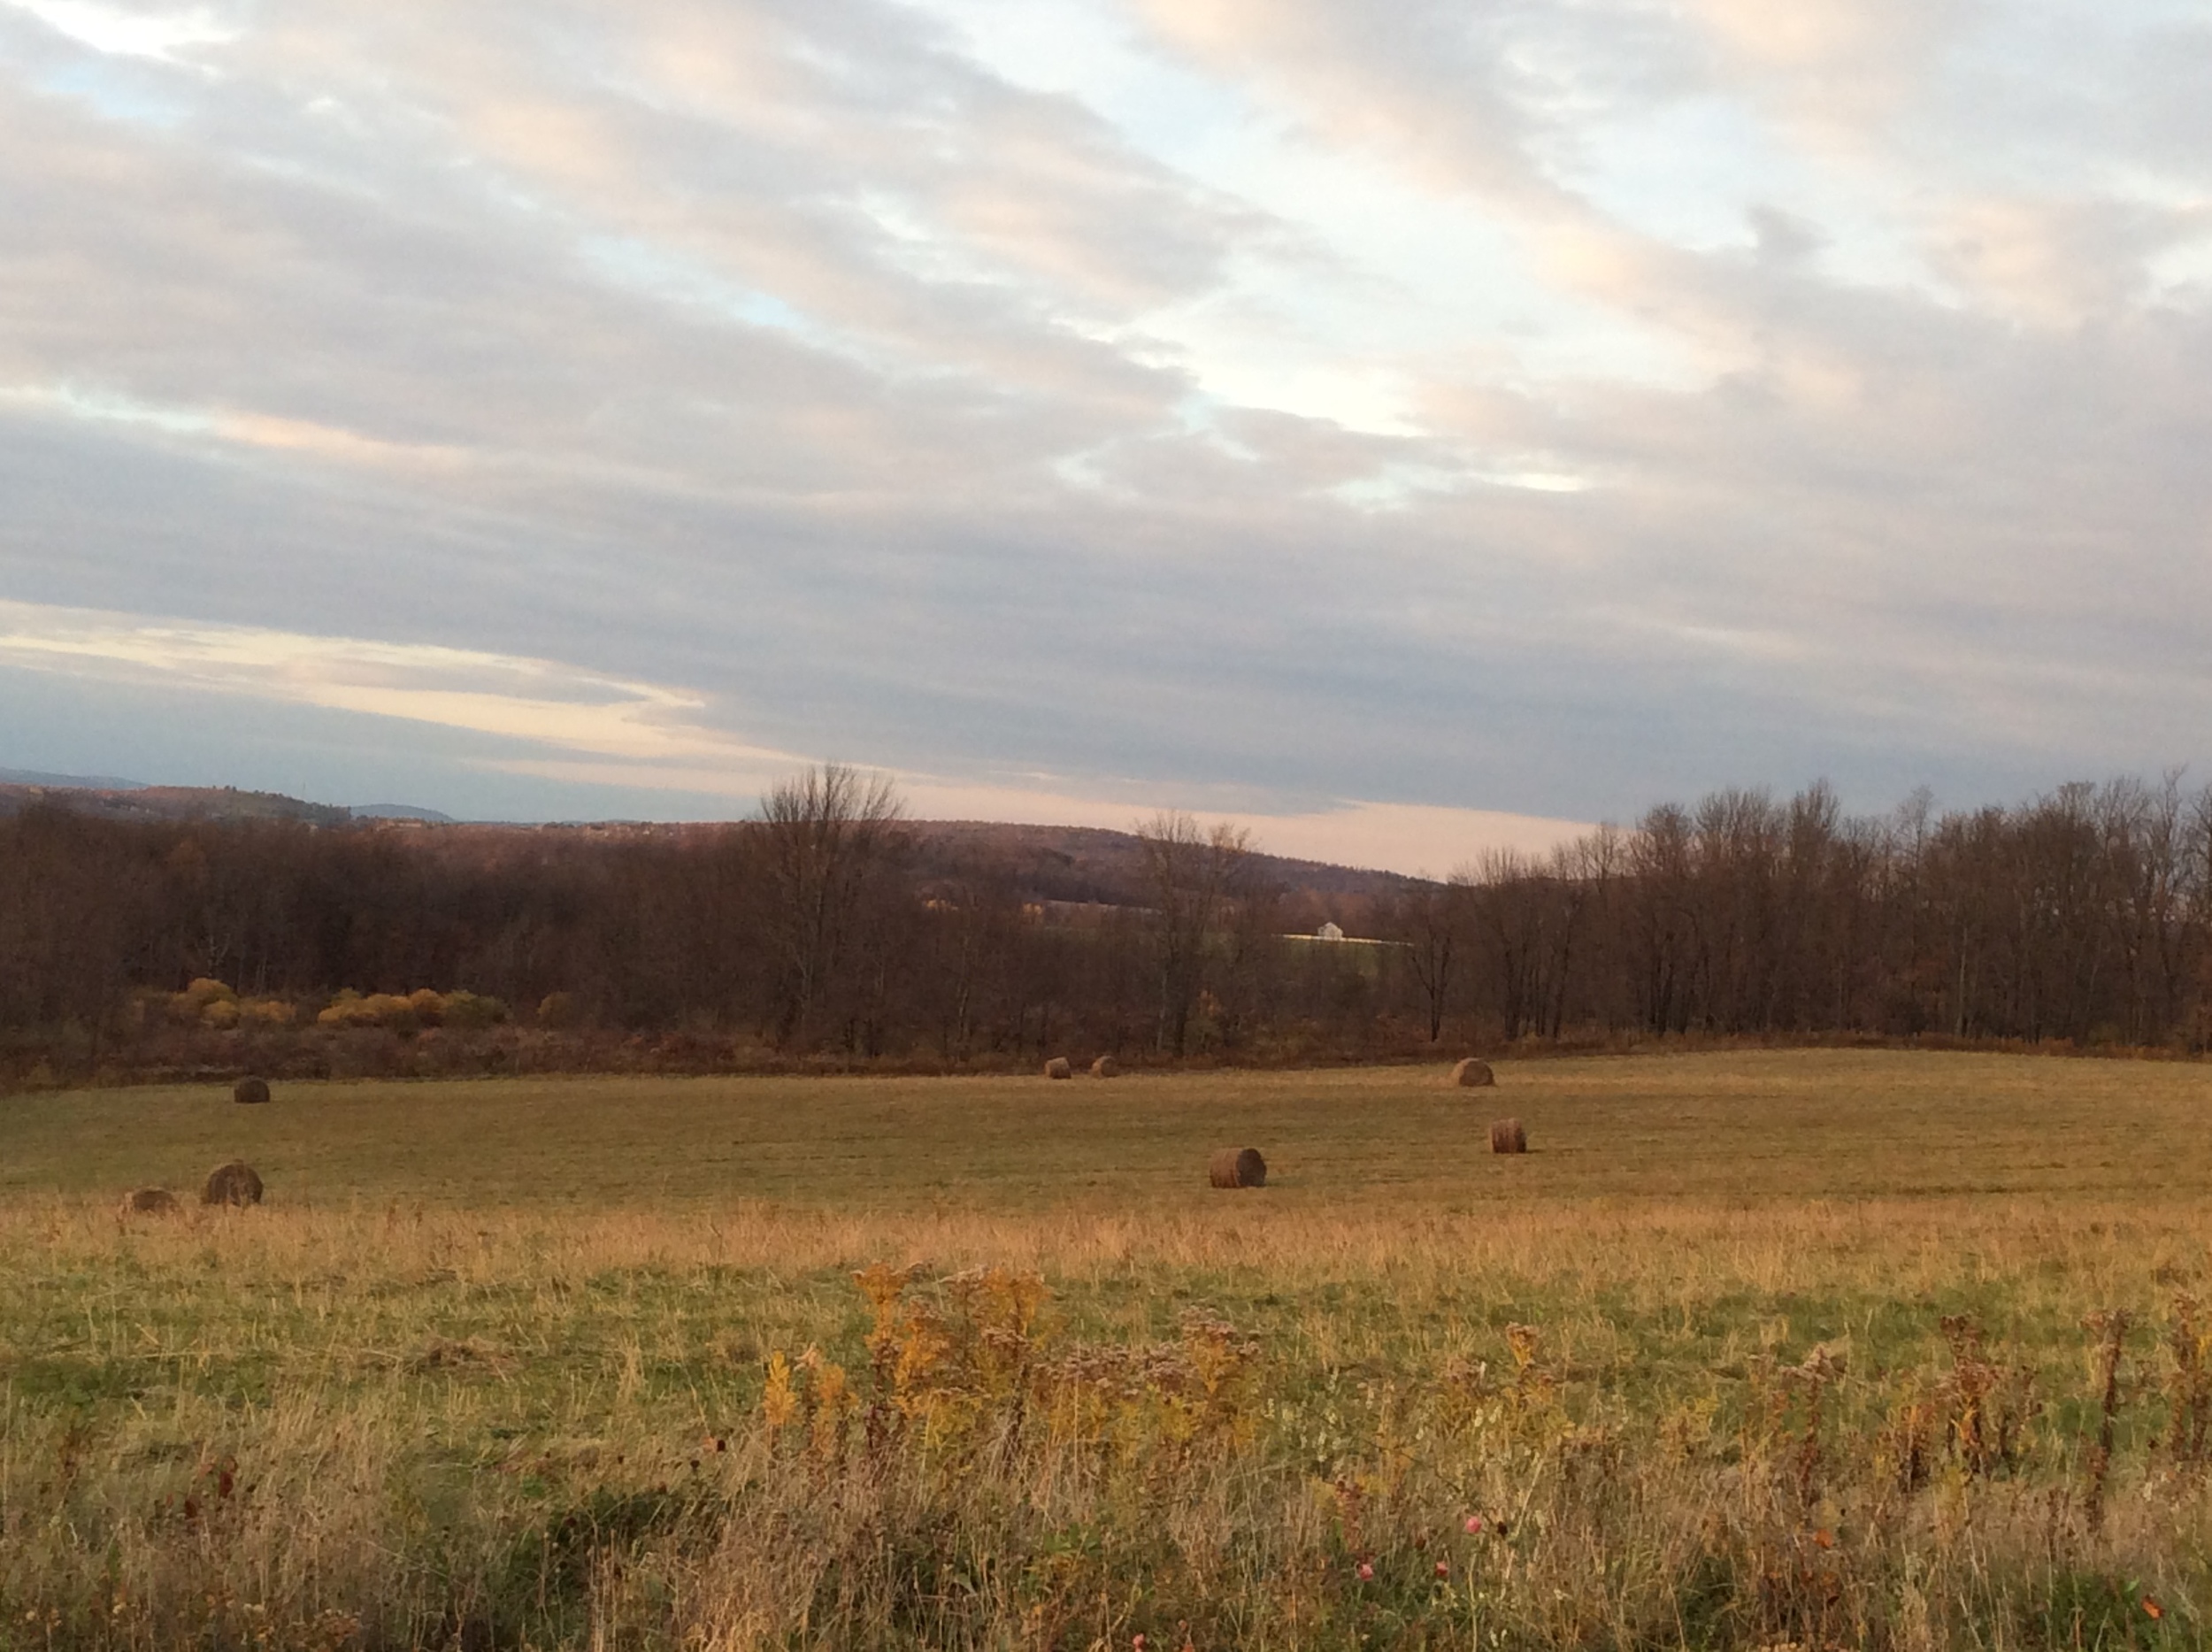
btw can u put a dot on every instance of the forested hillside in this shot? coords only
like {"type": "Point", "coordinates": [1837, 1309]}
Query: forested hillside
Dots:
{"type": "Point", "coordinates": [831, 928]}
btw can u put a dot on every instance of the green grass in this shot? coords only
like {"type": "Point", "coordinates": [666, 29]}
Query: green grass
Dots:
{"type": "Point", "coordinates": [465, 1366]}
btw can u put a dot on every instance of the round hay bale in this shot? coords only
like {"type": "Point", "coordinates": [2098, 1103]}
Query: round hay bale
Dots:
{"type": "Point", "coordinates": [1059, 1068]}
{"type": "Point", "coordinates": [1472, 1075]}
{"type": "Point", "coordinates": [1237, 1167]}
{"type": "Point", "coordinates": [1507, 1136]}
{"type": "Point", "coordinates": [235, 1183]}
{"type": "Point", "coordinates": [1105, 1067]}
{"type": "Point", "coordinates": [249, 1091]}
{"type": "Point", "coordinates": [149, 1202]}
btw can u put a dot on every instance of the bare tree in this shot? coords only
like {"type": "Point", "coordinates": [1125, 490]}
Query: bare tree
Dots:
{"type": "Point", "coordinates": [823, 834]}
{"type": "Point", "coordinates": [1190, 874]}
{"type": "Point", "coordinates": [1583, 874]}
{"type": "Point", "coordinates": [973, 914]}
{"type": "Point", "coordinates": [1520, 914]}
{"type": "Point", "coordinates": [1429, 921]}
{"type": "Point", "coordinates": [1664, 937]}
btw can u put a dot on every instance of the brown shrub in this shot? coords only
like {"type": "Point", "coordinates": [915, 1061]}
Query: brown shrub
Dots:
{"type": "Point", "coordinates": [466, 1009]}
{"type": "Point", "coordinates": [1059, 1068]}
{"type": "Point", "coordinates": [1237, 1167]}
{"type": "Point", "coordinates": [1507, 1136]}
{"type": "Point", "coordinates": [204, 993]}
{"type": "Point", "coordinates": [235, 1183]}
{"type": "Point", "coordinates": [149, 1202]}
{"type": "Point", "coordinates": [349, 1009]}
{"type": "Point", "coordinates": [365, 1052]}
{"type": "Point", "coordinates": [248, 1091]}
{"type": "Point", "coordinates": [1472, 1074]}
{"type": "Point", "coordinates": [1105, 1067]}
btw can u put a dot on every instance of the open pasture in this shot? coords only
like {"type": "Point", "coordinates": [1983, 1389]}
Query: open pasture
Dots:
{"type": "Point", "coordinates": [1749, 1350]}
{"type": "Point", "coordinates": [1740, 1128]}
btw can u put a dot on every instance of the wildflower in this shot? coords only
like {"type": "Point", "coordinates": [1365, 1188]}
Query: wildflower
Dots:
{"type": "Point", "coordinates": [1136, 1643]}
{"type": "Point", "coordinates": [1366, 1573]}
{"type": "Point", "coordinates": [1444, 1569]}
{"type": "Point", "coordinates": [1474, 1525]}
{"type": "Point", "coordinates": [1825, 1538]}
{"type": "Point", "coordinates": [2155, 1611]}
{"type": "Point", "coordinates": [779, 1399]}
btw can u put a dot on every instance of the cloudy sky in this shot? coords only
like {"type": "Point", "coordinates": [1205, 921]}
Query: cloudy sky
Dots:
{"type": "Point", "coordinates": [1406, 425]}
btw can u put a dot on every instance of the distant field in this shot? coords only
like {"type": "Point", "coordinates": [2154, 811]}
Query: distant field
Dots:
{"type": "Point", "coordinates": [1786, 1124]}
{"type": "Point", "coordinates": [1751, 1349]}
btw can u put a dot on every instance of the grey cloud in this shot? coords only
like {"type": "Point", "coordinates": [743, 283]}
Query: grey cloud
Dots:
{"type": "Point", "coordinates": [427, 272]}
{"type": "Point", "coordinates": [779, 351]}
{"type": "Point", "coordinates": [1783, 235]}
{"type": "Point", "coordinates": [1469, 96]}
{"type": "Point", "coordinates": [2171, 117]}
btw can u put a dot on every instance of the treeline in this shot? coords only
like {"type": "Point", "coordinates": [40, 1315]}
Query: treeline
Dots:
{"type": "Point", "coordinates": [2081, 915]}
{"type": "Point", "coordinates": [817, 930]}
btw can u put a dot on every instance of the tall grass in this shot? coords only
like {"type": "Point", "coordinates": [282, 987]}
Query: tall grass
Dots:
{"type": "Point", "coordinates": [1691, 1423]}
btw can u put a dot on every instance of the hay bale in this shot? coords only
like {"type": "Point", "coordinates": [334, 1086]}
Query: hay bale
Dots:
{"type": "Point", "coordinates": [1507, 1136]}
{"type": "Point", "coordinates": [1237, 1167]}
{"type": "Point", "coordinates": [1472, 1075]}
{"type": "Point", "coordinates": [250, 1092]}
{"type": "Point", "coordinates": [1059, 1068]}
{"type": "Point", "coordinates": [235, 1183]}
{"type": "Point", "coordinates": [1105, 1067]}
{"type": "Point", "coordinates": [149, 1202]}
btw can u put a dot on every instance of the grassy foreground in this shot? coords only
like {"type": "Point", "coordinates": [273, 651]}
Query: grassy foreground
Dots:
{"type": "Point", "coordinates": [1825, 1348]}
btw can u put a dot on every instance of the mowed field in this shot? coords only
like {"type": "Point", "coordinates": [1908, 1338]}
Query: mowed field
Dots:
{"type": "Point", "coordinates": [1789, 1348]}
{"type": "Point", "coordinates": [1768, 1126]}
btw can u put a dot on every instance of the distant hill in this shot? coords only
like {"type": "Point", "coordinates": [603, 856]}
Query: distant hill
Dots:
{"type": "Point", "coordinates": [75, 782]}
{"type": "Point", "coordinates": [112, 799]}
{"type": "Point", "coordinates": [132, 802]}
{"type": "Point", "coordinates": [1096, 865]}
{"type": "Point", "coordinates": [1051, 864]}
{"type": "Point", "coordinates": [399, 811]}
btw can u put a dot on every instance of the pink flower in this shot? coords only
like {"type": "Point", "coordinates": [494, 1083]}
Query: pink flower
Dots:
{"type": "Point", "coordinates": [1443, 1568]}
{"type": "Point", "coordinates": [1136, 1644]}
{"type": "Point", "coordinates": [1366, 1573]}
{"type": "Point", "coordinates": [1474, 1525]}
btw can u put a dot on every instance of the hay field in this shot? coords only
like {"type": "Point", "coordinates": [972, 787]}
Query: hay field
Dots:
{"type": "Point", "coordinates": [1818, 1348]}
{"type": "Point", "coordinates": [1781, 1124]}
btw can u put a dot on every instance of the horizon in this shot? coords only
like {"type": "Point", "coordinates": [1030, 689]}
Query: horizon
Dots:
{"type": "Point", "coordinates": [1532, 848]}
{"type": "Point", "coordinates": [52, 780]}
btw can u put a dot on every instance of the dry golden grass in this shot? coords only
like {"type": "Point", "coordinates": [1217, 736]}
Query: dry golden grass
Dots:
{"type": "Point", "coordinates": [463, 1378]}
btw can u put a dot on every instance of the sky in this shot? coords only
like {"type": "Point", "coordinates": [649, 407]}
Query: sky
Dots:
{"type": "Point", "coordinates": [1407, 427]}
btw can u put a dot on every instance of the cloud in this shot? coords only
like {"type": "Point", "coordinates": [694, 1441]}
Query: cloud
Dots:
{"type": "Point", "coordinates": [244, 430]}
{"type": "Point", "coordinates": [1852, 60]}
{"type": "Point", "coordinates": [134, 33]}
{"type": "Point", "coordinates": [512, 698]}
{"type": "Point", "coordinates": [2058, 263]}
{"type": "Point", "coordinates": [551, 721]}
{"type": "Point", "coordinates": [1534, 409]}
